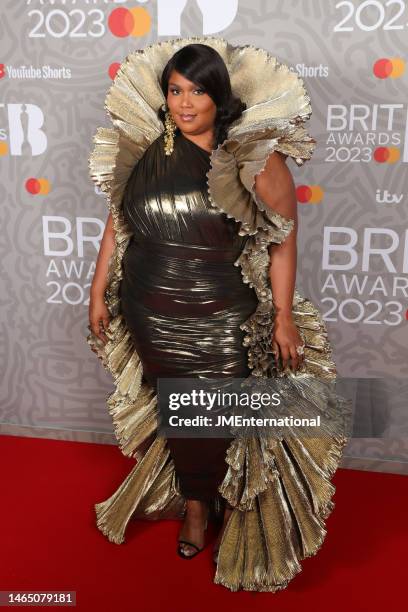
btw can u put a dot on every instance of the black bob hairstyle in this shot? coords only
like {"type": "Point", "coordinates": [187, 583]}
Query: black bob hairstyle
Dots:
{"type": "Point", "coordinates": [205, 67]}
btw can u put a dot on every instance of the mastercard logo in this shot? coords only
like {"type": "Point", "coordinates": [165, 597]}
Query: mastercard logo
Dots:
{"type": "Point", "coordinates": [37, 186]}
{"type": "Point", "coordinates": [113, 68]}
{"type": "Point", "coordinates": [392, 68]}
{"type": "Point", "coordinates": [3, 148]}
{"type": "Point", "coordinates": [309, 194]}
{"type": "Point", "coordinates": [2, 71]}
{"type": "Point", "coordinates": [124, 22]}
{"type": "Point", "coordinates": [386, 155]}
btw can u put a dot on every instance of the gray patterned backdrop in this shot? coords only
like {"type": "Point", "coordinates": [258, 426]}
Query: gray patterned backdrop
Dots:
{"type": "Point", "coordinates": [57, 60]}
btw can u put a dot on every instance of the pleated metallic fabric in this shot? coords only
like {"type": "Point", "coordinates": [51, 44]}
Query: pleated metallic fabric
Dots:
{"type": "Point", "coordinates": [280, 488]}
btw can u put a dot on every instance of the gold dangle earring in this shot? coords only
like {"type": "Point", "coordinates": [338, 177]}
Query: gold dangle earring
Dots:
{"type": "Point", "coordinates": [169, 131]}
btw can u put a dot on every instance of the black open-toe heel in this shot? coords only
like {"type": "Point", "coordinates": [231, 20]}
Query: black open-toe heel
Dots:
{"type": "Point", "coordinates": [182, 554]}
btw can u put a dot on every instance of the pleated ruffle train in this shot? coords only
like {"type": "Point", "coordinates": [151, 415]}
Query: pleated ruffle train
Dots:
{"type": "Point", "coordinates": [280, 488]}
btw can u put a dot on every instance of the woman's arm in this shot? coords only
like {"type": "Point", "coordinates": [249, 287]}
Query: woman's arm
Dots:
{"type": "Point", "coordinates": [100, 279]}
{"type": "Point", "coordinates": [98, 312]}
{"type": "Point", "coordinates": [276, 189]}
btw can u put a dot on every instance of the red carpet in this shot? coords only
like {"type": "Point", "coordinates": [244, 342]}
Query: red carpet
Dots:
{"type": "Point", "coordinates": [50, 541]}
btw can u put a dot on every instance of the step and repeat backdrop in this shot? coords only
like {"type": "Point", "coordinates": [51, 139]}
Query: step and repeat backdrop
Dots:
{"type": "Point", "coordinates": [57, 61]}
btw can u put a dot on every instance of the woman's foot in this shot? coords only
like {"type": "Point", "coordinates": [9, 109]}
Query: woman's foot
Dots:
{"type": "Point", "coordinates": [227, 513]}
{"type": "Point", "coordinates": [195, 523]}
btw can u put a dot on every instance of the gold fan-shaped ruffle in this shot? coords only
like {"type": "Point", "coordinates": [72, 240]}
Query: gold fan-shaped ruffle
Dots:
{"type": "Point", "coordinates": [280, 488]}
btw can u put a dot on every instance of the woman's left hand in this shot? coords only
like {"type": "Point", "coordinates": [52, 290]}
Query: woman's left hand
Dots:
{"type": "Point", "coordinates": [285, 340]}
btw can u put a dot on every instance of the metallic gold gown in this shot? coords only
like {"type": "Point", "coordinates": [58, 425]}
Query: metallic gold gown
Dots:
{"type": "Point", "coordinates": [182, 298]}
{"type": "Point", "coordinates": [280, 488]}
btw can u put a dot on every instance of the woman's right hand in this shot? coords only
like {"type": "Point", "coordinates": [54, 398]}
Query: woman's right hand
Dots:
{"type": "Point", "coordinates": [99, 316]}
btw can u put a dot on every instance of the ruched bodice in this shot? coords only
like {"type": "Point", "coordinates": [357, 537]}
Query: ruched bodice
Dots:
{"type": "Point", "coordinates": [182, 297]}
{"type": "Point", "coordinates": [166, 199]}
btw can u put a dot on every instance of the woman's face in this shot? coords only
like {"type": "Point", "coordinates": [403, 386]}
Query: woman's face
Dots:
{"type": "Point", "coordinates": [191, 108]}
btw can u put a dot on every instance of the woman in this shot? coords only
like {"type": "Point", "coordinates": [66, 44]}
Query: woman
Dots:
{"type": "Point", "coordinates": [172, 303]}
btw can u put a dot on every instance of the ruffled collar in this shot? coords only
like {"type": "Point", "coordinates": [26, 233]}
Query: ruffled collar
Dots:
{"type": "Point", "coordinates": [277, 107]}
